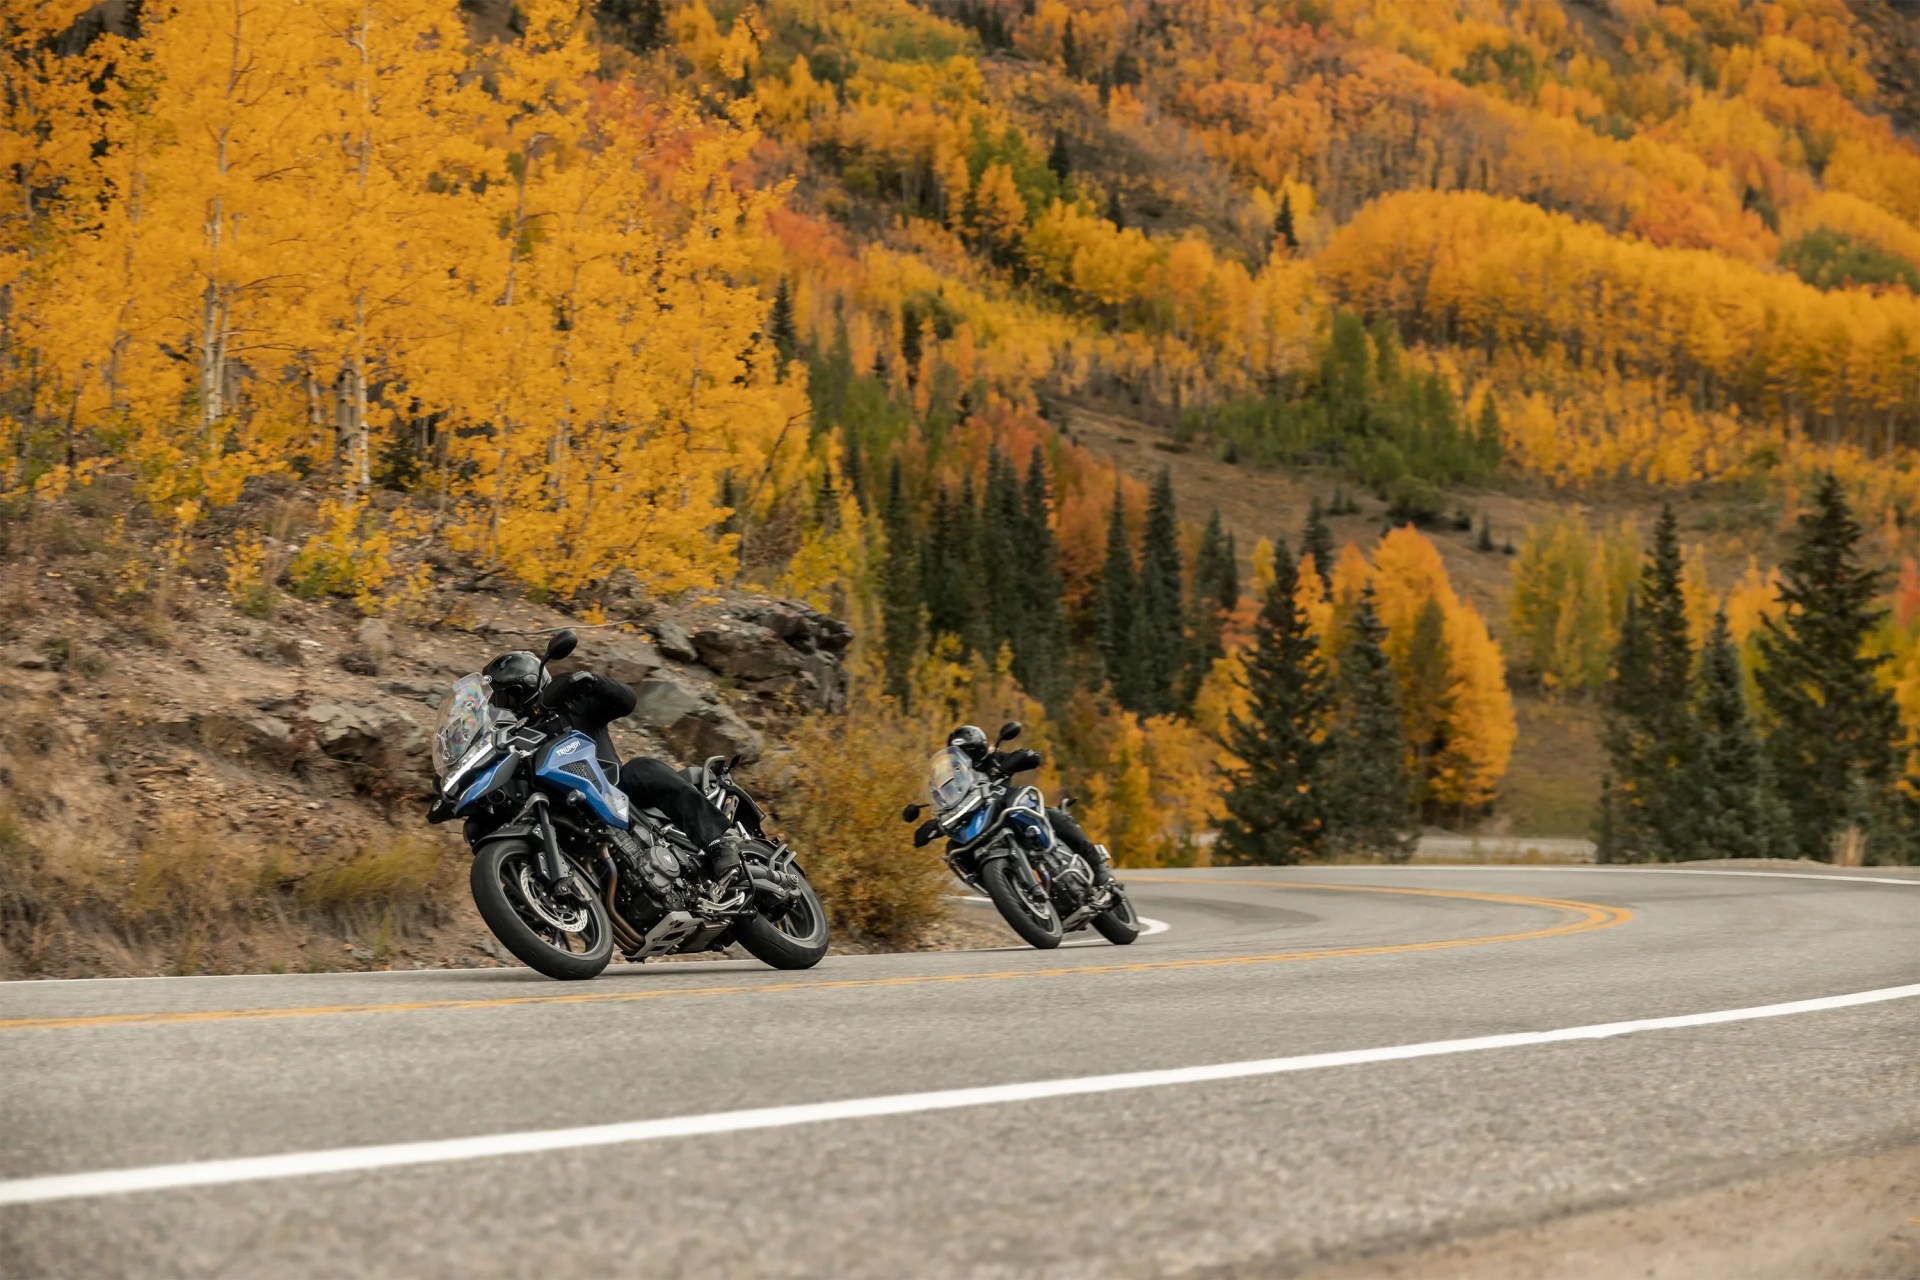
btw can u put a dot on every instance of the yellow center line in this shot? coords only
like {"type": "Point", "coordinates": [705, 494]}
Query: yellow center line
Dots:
{"type": "Point", "coordinates": [1589, 916]}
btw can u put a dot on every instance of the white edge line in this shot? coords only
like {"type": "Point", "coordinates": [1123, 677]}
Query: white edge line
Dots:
{"type": "Point", "coordinates": [1605, 869]}
{"type": "Point", "coordinates": [298, 1164]}
{"type": "Point", "coordinates": [1148, 925]}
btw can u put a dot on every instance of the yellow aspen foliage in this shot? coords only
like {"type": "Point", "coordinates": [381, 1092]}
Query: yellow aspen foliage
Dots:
{"type": "Point", "coordinates": [1262, 568]}
{"type": "Point", "coordinates": [1568, 595]}
{"type": "Point", "coordinates": [999, 214]}
{"type": "Point", "coordinates": [1479, 728]}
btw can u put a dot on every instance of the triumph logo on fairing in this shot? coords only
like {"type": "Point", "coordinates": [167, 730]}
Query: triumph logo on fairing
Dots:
{"type": "Point", "coordinates": [566, 749]}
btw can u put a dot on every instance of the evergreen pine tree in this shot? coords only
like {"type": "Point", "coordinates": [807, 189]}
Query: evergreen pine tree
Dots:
{"type": "Point", "coordinates": [1119, 610]}
{"type": "Point", "coordinates": [780, 330]}
{"type": "Point", "coordinates": [1163, 614]}
{"type": "Point", "coordinates": [900, 588]}
{"type": "Point", "coordinates": [1835, 727]}
{"type": "Point", "coordinates": [1283, 224]}
{"type": "Point", "coordinates": [1729, 791]}
{"type": "Point", "coordinates": [853, 468]}
{"type": "Point", "coordinates": [1275, 795]}
{"type": "Point", "coordinates": [1369, 794]}
{"type": "Point", "coordinates": [948, 566]}
{"type": "Point", "coordinates": [1001, 524]}
{"type": "Point", "coordinates": [1317, 540]}
{"type": "Point", "coordinates": [1059, 163]}
{"type": "Point", "coordinates": [910, 343]}
{"type": "Point", "coordinates": [1653, 739]}
{"type": "Point", "coordinates": [1210, 571]}
{"type": "Point", "coordinates": [1069, 49]}
{"type": "Point", "coordinates": [1115, 214]}
{"type": "Point", "coordinates": [1040, 663]}
{"type": "Point", "coordinates": [977, 633]}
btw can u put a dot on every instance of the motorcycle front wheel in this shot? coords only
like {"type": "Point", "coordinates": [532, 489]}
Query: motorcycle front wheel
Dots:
{"type": "Point", "coordinates": [561, 938]}
{"type": "Point", "coordinates": [1025, 907]}
{"type": "Point", "coordinates": [796, 939]}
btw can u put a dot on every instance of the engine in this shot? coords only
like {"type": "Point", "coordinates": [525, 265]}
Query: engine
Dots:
{"type": "Point", "coordinates": [652, 879]}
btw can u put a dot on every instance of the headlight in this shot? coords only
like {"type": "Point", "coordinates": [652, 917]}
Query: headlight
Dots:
{"type": "Point", "coordinates": [482, 748]}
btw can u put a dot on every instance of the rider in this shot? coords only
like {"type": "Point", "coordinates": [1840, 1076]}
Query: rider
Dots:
{"type": "Point", "coordinates": [590, 702]}
{"type": "Point", "coordinates": [971, 740]}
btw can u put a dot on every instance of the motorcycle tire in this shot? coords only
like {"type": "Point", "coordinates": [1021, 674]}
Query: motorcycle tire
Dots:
{"type": "Point", "coordinates": [1118, 924]}
{"type": "Point", "coordinates": [1026, 918]}
{"type": "Point", "coordinates": [797, 940]}
{"type": "Point", "coordinates": [496, 881]}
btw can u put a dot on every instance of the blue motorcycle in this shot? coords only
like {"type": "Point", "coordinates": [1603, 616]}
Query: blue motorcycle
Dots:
{"type": "Point", "coordinates": [566, 868]}
{"type": "Point", "coordinates": [1000, 842]}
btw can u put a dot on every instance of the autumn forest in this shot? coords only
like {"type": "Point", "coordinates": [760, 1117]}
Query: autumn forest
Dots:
{"type": "Point", "coordinates": [638, 299]}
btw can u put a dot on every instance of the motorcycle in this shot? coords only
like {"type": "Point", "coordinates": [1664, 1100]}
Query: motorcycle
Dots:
{"type": "Point", "coordinates": [1000, 842]}
{"type": "Point", "coordinates": [566, 868]}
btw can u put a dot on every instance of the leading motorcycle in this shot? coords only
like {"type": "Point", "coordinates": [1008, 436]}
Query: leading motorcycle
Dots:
{"type": "Point", "coordinates": [1000, 842]}
{"type": "Point", "coordinates": [566, 868]}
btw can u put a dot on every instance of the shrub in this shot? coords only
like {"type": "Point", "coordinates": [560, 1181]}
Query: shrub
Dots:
{"type": "Point", "coordinates": [842, 813]}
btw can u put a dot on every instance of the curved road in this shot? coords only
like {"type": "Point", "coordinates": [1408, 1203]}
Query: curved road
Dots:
{"type": "Point", "coordinates": [1344, 1071]}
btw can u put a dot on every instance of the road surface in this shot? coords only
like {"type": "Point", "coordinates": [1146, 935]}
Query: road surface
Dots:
{"type": "Point", "coordinates": [1330, 1071]}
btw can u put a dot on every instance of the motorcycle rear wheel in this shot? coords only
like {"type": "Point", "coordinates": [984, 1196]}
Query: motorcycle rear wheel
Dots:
{"type": "Point", "coordinates": [1029, 913]}
{"type": "Point", "coordinates": [1118, 924]}
{"type": "Point", "coordinates": [505, 873]}
{"type": "Point", "coordinates": [796, 940]}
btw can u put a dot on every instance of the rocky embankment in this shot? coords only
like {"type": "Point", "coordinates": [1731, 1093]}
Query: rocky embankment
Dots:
{"type": "Point", "coordinates": [186, 787]}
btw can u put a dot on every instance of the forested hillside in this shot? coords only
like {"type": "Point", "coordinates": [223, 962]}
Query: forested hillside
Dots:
{"type": "Point", "coordinates": [630, 301]}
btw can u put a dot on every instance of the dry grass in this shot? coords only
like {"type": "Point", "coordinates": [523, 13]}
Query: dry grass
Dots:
{"type": "Point", "coordinates": [186, 900]}
{"type": "Point", "coordinates": [842, 814]}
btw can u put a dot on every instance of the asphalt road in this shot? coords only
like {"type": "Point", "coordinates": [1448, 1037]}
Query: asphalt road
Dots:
{"type": "Point", "coordinates": [1209, 1101]}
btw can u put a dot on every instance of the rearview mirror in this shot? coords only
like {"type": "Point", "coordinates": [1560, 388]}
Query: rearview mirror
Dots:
{"type": "Point", "coordinates": [911, 812]}
{"type": "Point", "coordinates": [926, 834]}
{"type": "Point", "coordinates": [563, 643]}
{"type": "Point", "coordinates": [1008, 732]}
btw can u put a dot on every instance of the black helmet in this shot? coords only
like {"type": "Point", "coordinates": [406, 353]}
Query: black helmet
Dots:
{"type": "Point", "coordinates": [516, 679]}
{"type": "Point", "coordinates": [970, 739]}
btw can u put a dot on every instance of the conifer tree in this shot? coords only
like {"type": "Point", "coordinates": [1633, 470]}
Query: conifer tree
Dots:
{"type": "Point", "coordinates": [780, 330]}
{"type": "Point", "coordinates": [1115, 214]}
{"type": "Point", "coordinates": [1162, 655]}
{"type": "Point", "coordinates": [999, 530]}
{"type": "Point", "coordinates": [1211, 570]}
{"type": "Point", "coordinates": [1040, 662]}
{"type": "Point", "coordinates": [1834, 725]}
{"type": "Point", "coordinates": [1059, 163]}
{"type": "Point", "coordinates": [1369, 793]}
{"type": "Point", "coordinates": [1283, 224]}
{"type": "Point", "coordinates": [1317, 541]}
{"type": "Point", "coordinates": [1119, 610]}
{"type": "Point", "coordinates": [1736, 813]}
{"type": "Point", "coordinates": [900, 588]}
{"type": "Point", "coordinates": [1653, 739]}
{"type": "Point", "coordinates": [1276, 793]}
{"type": "Point", "coordinates": [948, 563]}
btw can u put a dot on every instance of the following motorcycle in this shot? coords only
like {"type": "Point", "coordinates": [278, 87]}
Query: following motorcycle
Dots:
{"type": "Point", "coordinates": [566, 868]}
{"type": "Point", "coordinates": [1001, 843]}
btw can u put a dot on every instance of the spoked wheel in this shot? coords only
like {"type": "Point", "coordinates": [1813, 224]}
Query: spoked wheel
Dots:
{"type": "Point", "coordinates": [796, 939]}
{"type": "Point", "coordinates": [1118, 924]}
{"type": "Point", "coordinates": [554, 935]}
{"type": "Point", "coordinates": [1023, 903]}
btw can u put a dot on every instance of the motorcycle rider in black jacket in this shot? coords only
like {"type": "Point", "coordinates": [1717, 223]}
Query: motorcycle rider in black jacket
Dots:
{"type": "Point", "coordinates": [590, 702]}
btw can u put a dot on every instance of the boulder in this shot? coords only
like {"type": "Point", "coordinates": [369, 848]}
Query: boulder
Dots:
{"type": "Point", "coordinates": [674, 642]}
{"type": "Point", "coordinates": [801, 625]}
{"type": "Point", "coordinates": [692, 722]}
{"type": "Point", "coordinates": [746, 651]}
{"type": "Point", "coordinates": [381, 738]}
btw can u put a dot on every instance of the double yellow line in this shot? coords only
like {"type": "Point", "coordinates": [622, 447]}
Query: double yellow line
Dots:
{"type": "Point", "coordinates": [1587, 917]}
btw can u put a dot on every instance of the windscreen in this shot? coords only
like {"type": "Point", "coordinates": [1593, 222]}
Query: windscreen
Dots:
{"type": "Point", "coordinates": [951, 780]}
{"type": "Point", "coordinates": [464, 716]}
